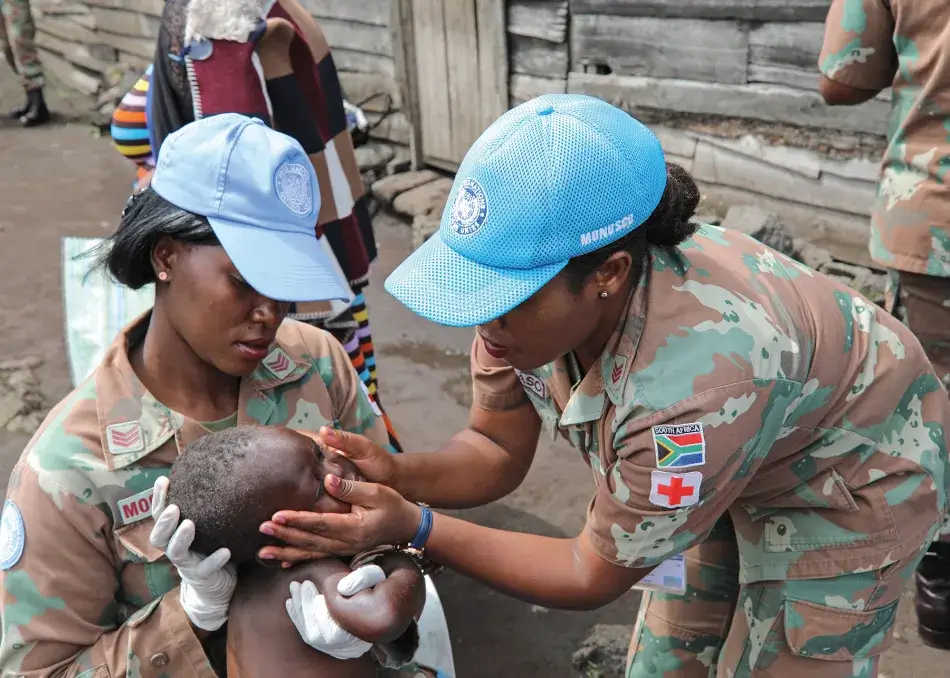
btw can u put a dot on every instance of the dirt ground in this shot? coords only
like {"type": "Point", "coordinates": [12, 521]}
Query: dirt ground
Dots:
{"type": "Point", "coordinates": [62, 180]}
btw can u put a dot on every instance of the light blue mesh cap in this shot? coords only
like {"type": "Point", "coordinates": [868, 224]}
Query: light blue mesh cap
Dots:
{"type": "Point", "coordinates": [554, 178]}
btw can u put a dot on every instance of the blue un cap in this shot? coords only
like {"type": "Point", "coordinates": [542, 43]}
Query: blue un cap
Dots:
{"type": "Point", "coordinates": [259, 192]}
{"type": "Point", "coordinates": [557, 177]}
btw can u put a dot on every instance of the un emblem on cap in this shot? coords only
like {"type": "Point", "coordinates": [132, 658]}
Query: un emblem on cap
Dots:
{"type": "Point", "coordinates": [293, 187]}
{"type": "Point", "coordinates": [470, 208]}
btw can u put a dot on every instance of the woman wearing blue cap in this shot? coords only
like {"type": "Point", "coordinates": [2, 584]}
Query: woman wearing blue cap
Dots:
{"type": "Point", "coordinates": [90, 584]}
{"type": "Point", "coordinates": [779, 430]}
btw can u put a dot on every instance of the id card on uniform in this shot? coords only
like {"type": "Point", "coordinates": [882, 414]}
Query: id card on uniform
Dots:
{"type": "Point", "coordinates": [668, 577]}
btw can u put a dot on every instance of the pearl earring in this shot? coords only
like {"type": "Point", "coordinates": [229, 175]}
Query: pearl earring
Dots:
{"type": "Point", "coordinates": [163, 276]}
{"type": "Point", "coordinates": [603, 294]}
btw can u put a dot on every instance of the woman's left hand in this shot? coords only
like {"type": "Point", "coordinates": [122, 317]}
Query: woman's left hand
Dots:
{"type": "Point", "coordinates": [380, 516]}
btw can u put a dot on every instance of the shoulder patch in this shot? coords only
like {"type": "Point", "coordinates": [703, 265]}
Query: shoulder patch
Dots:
{"type": "Point", "coordinates": [679, 446]}
{"type": "Point", "coordinates": [278, 363]}
{"type": "Point", "coordinates": [533, 385]}
{"type": "Point", "coordinates": [125, 438]}
{"type": "Point", "coordinates": [673, 490]}
{"type": "Point", "coordinates": [372, 402]}
{"type": "Point", "coordinates": [12, 536]}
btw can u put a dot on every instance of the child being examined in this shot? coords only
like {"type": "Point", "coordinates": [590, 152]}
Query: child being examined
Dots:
{"type": "Point", "coordinates": [230, 482]}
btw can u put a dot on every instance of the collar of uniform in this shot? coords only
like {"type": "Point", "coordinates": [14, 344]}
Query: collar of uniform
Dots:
{"type": "Point", "coordinates": [587, 399]}
{"type": "Point", "coordinates": [133, 424]}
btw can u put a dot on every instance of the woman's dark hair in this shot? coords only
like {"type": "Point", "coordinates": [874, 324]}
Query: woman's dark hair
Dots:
{"type": "Point", "coordinates": [127, 253]}
{"type": "Point", "coordinates": [667, 227]}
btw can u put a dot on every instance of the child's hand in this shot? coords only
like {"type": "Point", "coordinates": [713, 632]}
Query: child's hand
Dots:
{"type": "Point", "coordinates": [365, 577]}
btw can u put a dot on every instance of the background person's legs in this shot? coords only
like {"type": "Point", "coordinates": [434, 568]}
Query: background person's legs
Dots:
{"type": "Point", "coordinates": [21, 37]}
{"type": "Point", "coordinates": [819, 628]}
{"type": "Point", "coordinates": [681, 636]}
{"type": "Point", "coordinates": [922, 302]}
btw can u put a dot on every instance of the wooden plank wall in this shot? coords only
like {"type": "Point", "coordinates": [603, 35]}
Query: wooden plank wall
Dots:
{"type": "Point", "coordinates": [737, 58]}
{"type": "Point", "coordinates": [82, 40]}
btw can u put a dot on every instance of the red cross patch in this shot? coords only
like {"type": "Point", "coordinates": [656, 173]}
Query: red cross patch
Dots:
{"type": "Point", "coordinates": [673, 490]}
{"type": "Point", "coordinates": [125, 438]}
{"type": "Point", "coordinates": [278, 363]}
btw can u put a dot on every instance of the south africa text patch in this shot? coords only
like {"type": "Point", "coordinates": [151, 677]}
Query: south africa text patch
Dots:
{"type": "Point", "coordinates": [12, 536]}
{"type": "Point", "coordinates": [679, 446]}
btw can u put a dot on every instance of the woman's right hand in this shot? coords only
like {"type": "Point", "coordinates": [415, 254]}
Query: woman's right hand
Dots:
{"type": "Point", "coordinates": [377, 464]}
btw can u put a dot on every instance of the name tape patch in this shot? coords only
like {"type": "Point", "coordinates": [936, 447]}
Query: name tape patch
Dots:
{"type": "Point", "coordinates": [135, 508]}
{"type": "Point", "coordinates": [533, 385]}
{"type": "Point", "coordinates": [12, 536]}
{"type": "Point", "coordinates": [679, 446]}
{"type": "Point", "coordinates": [673, 490]}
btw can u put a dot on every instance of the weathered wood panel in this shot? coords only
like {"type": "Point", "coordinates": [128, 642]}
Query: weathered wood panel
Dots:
{"type": "Point", "coordinates": [795, 45]}
{"type": "Point", "coordinates": [709, 51]}
{"type": "Point", "coordinates": [150, 7]}
{"type": "Point", "coordinates": [374, 12]}
{"type": "Point", "coordinates": [463, 78]}
{"type": "Point", "coordinates": [75, 53]}
{"type": "Point", "coordinates": [759, 102]}
{"type": "Point", "coordinates": [492, 60]}
{"type": "Point", "coordinates": [545, 19]}
{"type": "Point", "coordinates": [759, 10]}
{"type": "Point", "coordinates": [124, 22]}
{"type": "Point", "coordinates": [526, 87]}
{"type": "Point", "coordinates": [790, 76]}
{"type": "Point", "coordinates": [349, 60]}
{"type": "Point", "coordinates": [142, 48]}
{"type": "Point", "coordinates": [431, 78]}
{"type": "Point", "coordinates": [541, 58]}
{"type": "Point", "coordinates": [358, 37]}
{"type": "Point", "coordinates": [720, 166]}
{"type": "Point", "coordinates": [358, 87]}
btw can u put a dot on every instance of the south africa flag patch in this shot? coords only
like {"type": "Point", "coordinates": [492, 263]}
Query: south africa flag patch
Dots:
{"type": "Point", "coordinates": [680, 446]}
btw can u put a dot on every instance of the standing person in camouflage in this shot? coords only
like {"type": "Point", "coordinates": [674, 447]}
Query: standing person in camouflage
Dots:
{"type": "Point", "coordinates": [18, 43]}
{"type": "Point", "coordinates": [733, 405]}
{"type": "Point", "coordinates": [871, 45]}
{"type": "Point", "coordinates": [90, 582]}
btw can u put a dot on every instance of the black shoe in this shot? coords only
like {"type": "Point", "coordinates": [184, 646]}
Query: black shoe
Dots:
{"type": "Point", "coordinates": [20, 111]}
{"type": "Point", "coordinates": [933, 596]}
{"type": "Point", "coordinates": [36, 113]}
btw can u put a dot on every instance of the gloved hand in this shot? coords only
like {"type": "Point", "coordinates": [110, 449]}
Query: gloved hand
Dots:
{"type": "Point", "coordinates": [207, 584]}
{"type": "Point", "coordinates": [308, 611]}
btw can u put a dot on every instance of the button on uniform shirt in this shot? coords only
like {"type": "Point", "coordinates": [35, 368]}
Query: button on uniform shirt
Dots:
{"type": "Point", "coordinates": [82, 591]}
{"type": "Point", "coordinates": [740, 380]}
{"type": "Point", "coordinates": [873, 44]}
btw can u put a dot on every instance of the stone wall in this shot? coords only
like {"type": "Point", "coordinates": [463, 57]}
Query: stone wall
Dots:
{"type": "Point", "coordinates": [89, 45]}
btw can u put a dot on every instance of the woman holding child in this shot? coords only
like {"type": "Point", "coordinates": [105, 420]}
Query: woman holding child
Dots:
{"type": "Point", "coordinates": [779, 430]}
{"type": "Point", "coordinates": [90, 583]}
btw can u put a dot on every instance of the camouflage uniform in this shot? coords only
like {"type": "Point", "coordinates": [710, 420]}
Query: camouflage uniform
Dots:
{"type": "Point", "coordinates": [18, 39]}
{"type": "Point", "coordinates": [82, 591]}
{"type": "Point", "coordinates": [871, 45]}
{"type": "Point", "coordinates": [778, 428]}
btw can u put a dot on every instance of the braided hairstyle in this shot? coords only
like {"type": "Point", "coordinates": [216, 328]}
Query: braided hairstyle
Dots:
{"type": "Point", "coordinates": [668, 227]}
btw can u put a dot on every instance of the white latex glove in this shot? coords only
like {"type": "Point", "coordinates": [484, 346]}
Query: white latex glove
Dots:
{"type": "Point", "coordinates": [308, 611]}
{"type": "Point", "coordinates": [207, 584]}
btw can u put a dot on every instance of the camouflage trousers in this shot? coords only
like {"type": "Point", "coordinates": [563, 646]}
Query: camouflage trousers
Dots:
{"type": "Point", "coordinates": [719, 628]}
{"type": "Point", "coordinates": [18, 42]}
{"type": "Point", "coordinates": [922, 302]}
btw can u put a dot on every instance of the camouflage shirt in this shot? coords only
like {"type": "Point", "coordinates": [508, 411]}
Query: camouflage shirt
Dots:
{"type": "Point", "coordinates": [82, 592]}
{"type": "Point", "coordinates": [742, 381]}
{"type": "Point", "coordinates": [873, 44]}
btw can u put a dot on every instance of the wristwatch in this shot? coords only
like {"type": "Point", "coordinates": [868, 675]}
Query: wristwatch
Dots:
{"type": "Point", "coordinates": [417, 546]}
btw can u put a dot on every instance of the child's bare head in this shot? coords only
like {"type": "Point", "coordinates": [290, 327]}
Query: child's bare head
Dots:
{"type": "Point", "coordinates": [230, 482]}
